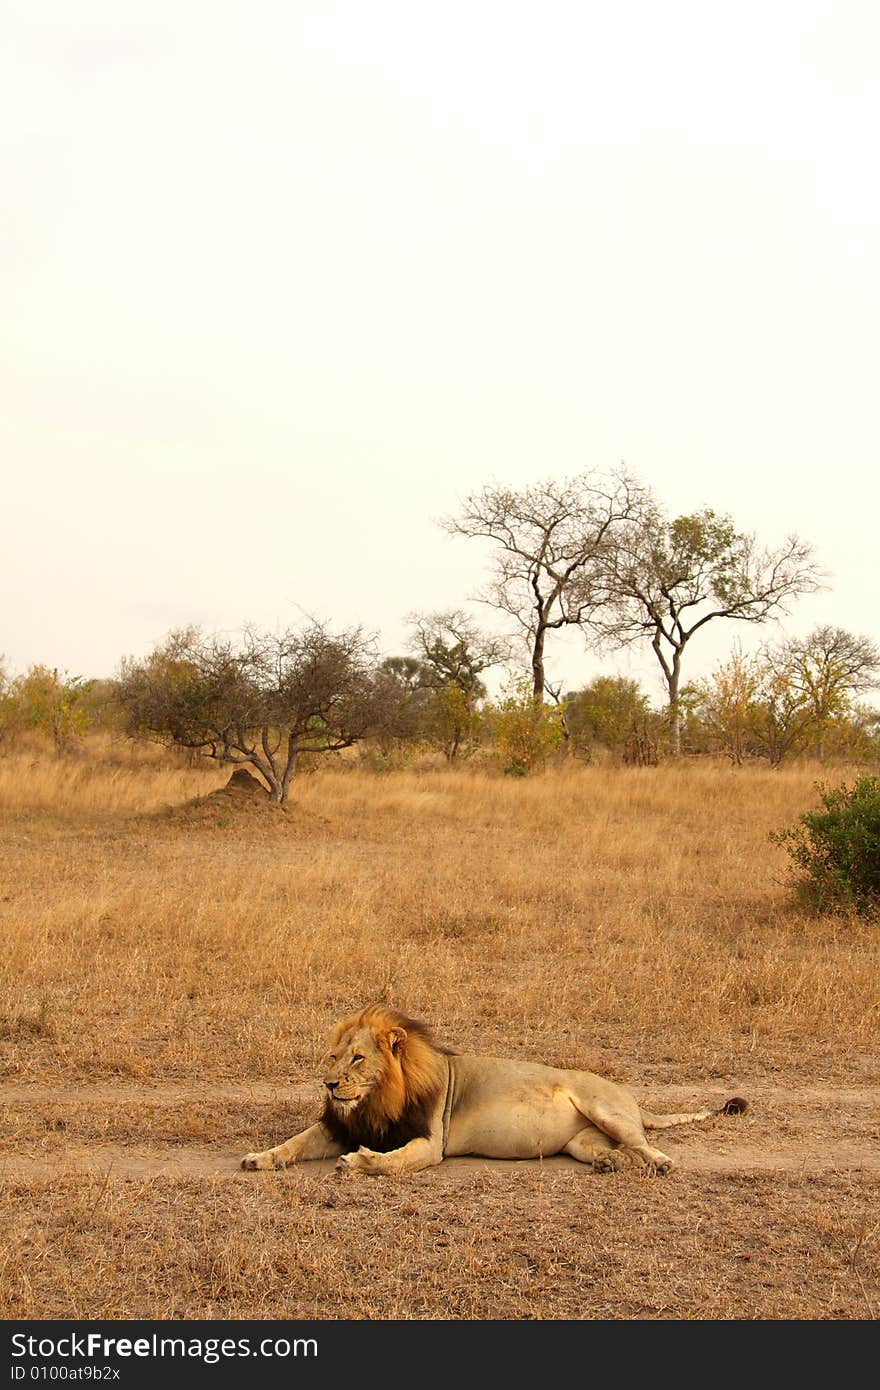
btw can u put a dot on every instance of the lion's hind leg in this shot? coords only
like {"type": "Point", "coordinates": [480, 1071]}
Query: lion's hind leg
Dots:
{"type": "Point", "coordinates": [591, 1146]}
{"type": "Point", "coordinates": [628, 1142]}
{"type": "Point", "coordinates": [594, 1148]}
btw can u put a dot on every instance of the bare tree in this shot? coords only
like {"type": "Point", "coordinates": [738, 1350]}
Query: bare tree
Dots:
{"type": "Point", "coordinates": [781, 721]}
{"type": "Point", "coordinates": [826, 670]}
{"type": "Point", "coordinates": [549, 537]}
{"type": "Point", "coordinates": [262, 701]}
{"type": "Point", "coordinates": [665, 580]}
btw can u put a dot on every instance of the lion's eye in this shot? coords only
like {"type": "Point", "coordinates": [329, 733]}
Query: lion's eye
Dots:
{"type": "Point", "coordinates": [358, 1057]}
{"type": "Point", "coordinates": [332, 1056]}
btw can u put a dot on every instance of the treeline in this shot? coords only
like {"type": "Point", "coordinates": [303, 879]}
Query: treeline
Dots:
{"type": "Point", "coordinates": [267, 701]}
{"type": "Point", "coordinates": [594, 553]}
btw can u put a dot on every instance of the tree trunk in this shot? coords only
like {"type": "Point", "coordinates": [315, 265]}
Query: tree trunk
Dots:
{"type": "Point", "coordinates": [538, 680]}
{"type": "Point", "coordinates": [674, 711]}
{"type": "Point", "coordinates": [671, 673]}
{"type": "Point", "coordinates": [674, 726]}
{"type": "Point", "coordinates": [267, 767]}
{"type": "Point", "coordinates": [292, 746]}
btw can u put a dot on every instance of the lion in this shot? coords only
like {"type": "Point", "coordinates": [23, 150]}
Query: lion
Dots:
{"type": "Point", "coordinates": [397, 1103]}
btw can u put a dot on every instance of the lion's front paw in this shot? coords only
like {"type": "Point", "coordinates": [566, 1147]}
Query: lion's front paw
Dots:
{"type": "Point", "coordinates": [348, 1163]}
{"type": "Point", "coordinates": [362, 1161]}
{"type": "Point", "coordinates": [261, 1162]}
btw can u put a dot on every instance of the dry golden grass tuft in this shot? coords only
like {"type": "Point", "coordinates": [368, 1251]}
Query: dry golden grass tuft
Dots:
{"type": "Point", "coordinates": [112, 778]}
{"type": "Point", "coordinates": [635, 921]}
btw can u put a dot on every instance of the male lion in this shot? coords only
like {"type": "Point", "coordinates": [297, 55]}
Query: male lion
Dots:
{"type": "Point", "coordinates": [396, 1103]}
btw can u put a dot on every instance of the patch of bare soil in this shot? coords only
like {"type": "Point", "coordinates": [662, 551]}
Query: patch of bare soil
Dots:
{"type": "Point", "coordinates": [812, 1130]}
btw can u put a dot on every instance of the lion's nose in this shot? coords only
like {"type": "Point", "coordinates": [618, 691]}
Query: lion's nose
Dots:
{"type": "Point", "coordinates": [331, 1086]}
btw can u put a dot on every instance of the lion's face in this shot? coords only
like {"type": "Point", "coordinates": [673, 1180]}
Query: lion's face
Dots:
{"type": "Point", "coordinates": [361, 1058]}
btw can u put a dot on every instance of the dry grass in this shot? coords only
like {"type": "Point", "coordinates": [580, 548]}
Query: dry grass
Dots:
{"type": "Point", "coordinates": [699, 1247]}
{"type": "Point", "coordinates": [634, 921]}
{"type": "Point", "coordinates": [113, 777]}
{"type": "Point", "coordinates": [542, 917]}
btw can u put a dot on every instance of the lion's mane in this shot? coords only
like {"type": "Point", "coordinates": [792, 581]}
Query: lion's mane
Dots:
{"type": "Point", "coordinates": [410, 1077]}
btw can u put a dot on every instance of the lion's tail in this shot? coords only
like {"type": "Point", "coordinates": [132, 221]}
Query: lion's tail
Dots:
{"type": "Point", "coordinates": [735, 1106]}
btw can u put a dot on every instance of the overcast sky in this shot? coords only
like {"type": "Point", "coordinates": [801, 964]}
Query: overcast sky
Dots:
{"type": "Point", "coordinates": [281, 283]}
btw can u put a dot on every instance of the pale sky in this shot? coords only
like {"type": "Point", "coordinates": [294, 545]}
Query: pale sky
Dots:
{"type": "Point", "coordinates": [281, 283]}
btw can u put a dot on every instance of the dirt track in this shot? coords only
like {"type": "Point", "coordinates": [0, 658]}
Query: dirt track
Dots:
{"type": "Point", "coordinates": [137, 1192]}
{"type": "Point", "coordinates": [808, 1131]}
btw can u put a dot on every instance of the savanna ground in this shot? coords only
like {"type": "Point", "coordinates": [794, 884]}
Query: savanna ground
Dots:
{"type": "Point", "coordinates": [171, 968]}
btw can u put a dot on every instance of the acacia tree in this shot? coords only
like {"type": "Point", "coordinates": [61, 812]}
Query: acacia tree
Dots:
{"type": "Point", "coordinates": [261, 701]}
{"type": "Point", "coordinates": [728, 703]}
{"type": "Point", "coordinates": [441, 684]}
{"type": "Point", "coordinates": [781, 719]}
{"type": "Point", "coordinates": [404, 699]}
{"type": "Point", "coordinates": [826, 670]}
{"type": "Point", "coordinates": [453, 651]}
{"type": "Point", "coordinates": [549, 538]}
{"type": "Point", "coordinates": [665, 580]}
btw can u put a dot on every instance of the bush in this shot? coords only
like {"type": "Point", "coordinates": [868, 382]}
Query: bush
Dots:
{"type": "Point", "coordinates": [838, 849]}
{"type": "Point", "coordinates": [526, 731]}
{"type": "Point", "coordinates": [605, 713]}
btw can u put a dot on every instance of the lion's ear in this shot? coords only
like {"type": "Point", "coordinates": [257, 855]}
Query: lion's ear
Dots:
{"type": "Point", "coordinates": [395, 1037]}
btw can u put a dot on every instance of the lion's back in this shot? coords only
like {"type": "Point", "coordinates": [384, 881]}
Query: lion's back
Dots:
{"type": "Point", "coordinates": [505, 1108]}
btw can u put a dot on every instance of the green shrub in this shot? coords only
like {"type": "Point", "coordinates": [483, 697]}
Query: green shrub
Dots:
{"type": "Point", "coordinates": [837, 849]}
{"type": "Point", "coordinates": [525, 730]}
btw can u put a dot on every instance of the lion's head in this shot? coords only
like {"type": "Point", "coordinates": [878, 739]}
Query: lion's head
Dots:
{"type": "Point", "coordinates": [383, 1074]}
